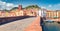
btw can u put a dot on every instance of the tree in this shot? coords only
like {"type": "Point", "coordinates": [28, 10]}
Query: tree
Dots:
{"type": "Point", "coordinates": [14, 8]}
{"type": "Point", "coordinates": [32, 6]}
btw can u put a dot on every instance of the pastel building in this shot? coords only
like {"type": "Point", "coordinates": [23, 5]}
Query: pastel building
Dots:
{"type": "Point", "coordinates": [2, 14]}
{"type": "Point", "coordinates": [19, 12]}
{"type": "Point", "coordinates": [31, 12]}
{"type": "Point", "coordinates": [52, 14]}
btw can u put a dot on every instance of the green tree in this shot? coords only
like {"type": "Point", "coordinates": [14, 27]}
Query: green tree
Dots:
{"type": "Point", "coordinates": [32, 6]}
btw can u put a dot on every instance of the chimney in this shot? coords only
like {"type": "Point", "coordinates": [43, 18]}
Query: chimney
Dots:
{"type": "Point", "coordinates": [19, 7]}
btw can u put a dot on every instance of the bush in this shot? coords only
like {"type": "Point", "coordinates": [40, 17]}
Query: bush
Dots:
{"type": "Point", "coordinates": [55, 17]}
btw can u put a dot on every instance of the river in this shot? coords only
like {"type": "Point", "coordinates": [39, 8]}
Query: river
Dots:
{"type": "Point", "coordinates": [51, 26]}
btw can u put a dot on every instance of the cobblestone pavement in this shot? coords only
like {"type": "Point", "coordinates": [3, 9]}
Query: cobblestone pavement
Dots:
{"type": "Point", "coordinates": [19, 25]}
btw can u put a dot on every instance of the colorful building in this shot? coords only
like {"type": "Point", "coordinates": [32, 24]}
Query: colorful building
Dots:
{"type": "Point", "coordinates": [19, 12]}
{"type": "Point", "coordinates": [52, 14]}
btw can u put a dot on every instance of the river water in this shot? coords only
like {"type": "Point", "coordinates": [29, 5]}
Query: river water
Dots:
{"type": "Point", "coordinates": [53, 26]}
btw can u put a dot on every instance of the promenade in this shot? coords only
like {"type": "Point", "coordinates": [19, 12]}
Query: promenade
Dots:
{"type": "Point", "coordinates": [35, 25]}
{"type": "Point", "coordinates": [28, 24]}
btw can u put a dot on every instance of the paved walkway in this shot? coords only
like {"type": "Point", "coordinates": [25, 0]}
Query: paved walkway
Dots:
{"type": "Point", "coordinates": [35, 25]}
{"type": "Point", "coordinates": [28, 24]}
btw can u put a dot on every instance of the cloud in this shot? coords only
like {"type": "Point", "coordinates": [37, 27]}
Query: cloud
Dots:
{"type": "Point", "coordinates": [49, 5]}
{"type": "Point", "coordinates": [43, 7]}
{"type": "Point", "coordinates": [54, 7]}
{"type": "Point", "coordinates": [2, 3]}
{"type": "Point", "coordinates": [57, 6]}
{"type": "Point", "coordinates": [8, 6]}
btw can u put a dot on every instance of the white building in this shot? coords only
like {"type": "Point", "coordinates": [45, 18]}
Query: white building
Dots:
{"type": "Point", "coordinates": [42, 12]}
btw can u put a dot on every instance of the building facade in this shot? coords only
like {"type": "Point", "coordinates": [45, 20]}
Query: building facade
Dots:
{"type": "Point", "coordinates": [52, 14]}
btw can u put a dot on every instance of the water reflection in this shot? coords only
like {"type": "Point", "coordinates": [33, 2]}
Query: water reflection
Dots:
{"type": "Point", "coordinates": [51, 26]}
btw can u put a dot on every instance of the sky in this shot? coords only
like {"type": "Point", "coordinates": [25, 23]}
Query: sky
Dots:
{"type": "Point", "coordinates": [47, 4]}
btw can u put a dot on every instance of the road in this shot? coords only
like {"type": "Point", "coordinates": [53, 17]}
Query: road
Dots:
{"type": "Point", "coordinates": [18, 25]}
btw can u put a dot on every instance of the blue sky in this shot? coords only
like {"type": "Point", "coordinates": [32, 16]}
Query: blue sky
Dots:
{"type": "Point", "coordinates": [48, 4]}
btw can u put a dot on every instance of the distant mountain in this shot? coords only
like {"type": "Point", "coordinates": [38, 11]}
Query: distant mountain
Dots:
{"type": "Point", "coordinates": [14, 8]}
{"type": "Point", "coordinates": [32, 6]}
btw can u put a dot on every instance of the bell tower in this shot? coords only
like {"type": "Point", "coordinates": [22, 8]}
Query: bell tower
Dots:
{"type": "Point", "coordinates": [19, 7]}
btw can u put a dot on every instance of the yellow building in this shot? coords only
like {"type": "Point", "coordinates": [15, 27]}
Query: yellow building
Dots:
{"type": "Point", "coordinates": [19, 13]}
{"type": "Point", "coordinates": [52, 14]}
